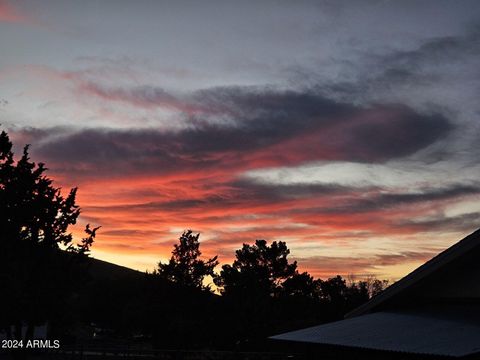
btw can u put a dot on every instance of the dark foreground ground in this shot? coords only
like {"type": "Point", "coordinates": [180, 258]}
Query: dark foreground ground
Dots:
{"type": "Point", "coordinates": [113, 354]}
{"type": "Point", "coordinates": [92, 353]}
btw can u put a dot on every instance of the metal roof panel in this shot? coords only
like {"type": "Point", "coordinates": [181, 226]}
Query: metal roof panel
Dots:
{"type": "Point", "coordinates": [441, 333]}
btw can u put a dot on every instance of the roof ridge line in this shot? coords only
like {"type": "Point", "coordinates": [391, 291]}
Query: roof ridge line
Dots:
{"type": "Point", "coordinates": [443, 258]}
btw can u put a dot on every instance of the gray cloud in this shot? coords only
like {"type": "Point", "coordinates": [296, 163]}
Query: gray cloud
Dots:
{"type": "Point", "coordinates": [438, 50]}
{"type": "Point", "coordinates": [363, 204]}
{"type": "Point", "coordinates": [270, 192]}
{"type": "Point", "coordinates": [461, 223]}
{"type": "Point", "coordinates": [437, 73]}
{"type": "Point", "coordinates": [268, 128]}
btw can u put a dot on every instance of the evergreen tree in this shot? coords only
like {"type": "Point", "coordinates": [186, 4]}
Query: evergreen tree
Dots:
{"type": "Point", "coordinates": [185, 266]}
{"type": "Point", "coordinates": [257, 268]}
{"type": "Point", "coordinates": [38, 258]}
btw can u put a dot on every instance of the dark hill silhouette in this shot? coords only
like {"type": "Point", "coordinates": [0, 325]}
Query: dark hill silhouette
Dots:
{"type": "Point", "coordinates": [104, 270]}
{"type": "Point", "coordinates": [127, 304]}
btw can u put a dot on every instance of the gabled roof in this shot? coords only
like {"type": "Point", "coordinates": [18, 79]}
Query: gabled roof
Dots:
{"type": "Point", "coordinates": [446, 257]}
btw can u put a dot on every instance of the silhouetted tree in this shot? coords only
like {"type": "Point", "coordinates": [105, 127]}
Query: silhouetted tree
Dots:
{"type": "Point", "coordinates": [341, 297]}
{"type": "Point", "coordinates": [35, 273]}
{"type": "Point", "coordinates": [375, 286]}
{"type": "Point", "coordinates": [356, 294]}
{"type": "Point", "coordinates": [334, 289]}
{"type": "Point", "coordinates": [257, 268]}
{"type": "Point", "coordinates": [185, 268]}
{"type": "Point", "coordinates": [83, 248]}
{"type": "Point", "coordinates": [301, 284]}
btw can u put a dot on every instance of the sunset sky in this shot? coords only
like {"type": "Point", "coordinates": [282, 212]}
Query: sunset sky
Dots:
{"type": "Point", "coordinates": [348, 129]}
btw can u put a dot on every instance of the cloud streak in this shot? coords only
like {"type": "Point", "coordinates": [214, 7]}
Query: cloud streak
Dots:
{"type": "Point", "coordinates": [325, 266]}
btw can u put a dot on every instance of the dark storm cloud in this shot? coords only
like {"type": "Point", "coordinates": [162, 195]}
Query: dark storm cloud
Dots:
{"type": "Point", "coordinates": [262, 127]}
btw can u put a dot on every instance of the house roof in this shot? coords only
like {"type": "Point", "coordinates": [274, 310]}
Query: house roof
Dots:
{"type": "Point", "coordinates": [451, 254]}
{"type": "Point", "coordinates": [447, 332]}
{"type": "Point", "coordinates": [449, 328]}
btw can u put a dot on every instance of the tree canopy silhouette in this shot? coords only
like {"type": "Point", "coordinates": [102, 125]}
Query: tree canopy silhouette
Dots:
{"type": "Point", "coordinates": [185, 266]}
{"type": "Point", "coordinates": [257, 268]}
{"type": "Point", "coordinates": [36, 272]}
{"type": "Point", "coordinates": [301, 284]}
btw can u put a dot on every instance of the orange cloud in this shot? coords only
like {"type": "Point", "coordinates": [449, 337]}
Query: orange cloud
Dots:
{"type": "Point", "coordinates": [145, 217]}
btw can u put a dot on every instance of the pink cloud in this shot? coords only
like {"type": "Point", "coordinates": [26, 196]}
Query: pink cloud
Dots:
{"type": "Point", "coordinates": [10, 14]}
